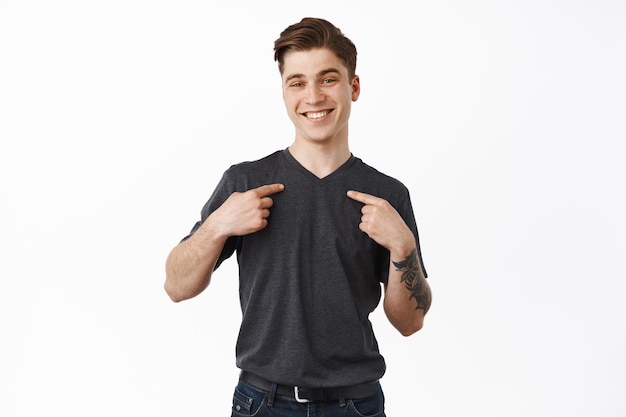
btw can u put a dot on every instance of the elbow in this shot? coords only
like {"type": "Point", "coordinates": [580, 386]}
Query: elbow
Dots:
{"type": "Point", "coordinates": [176, 291]}
{"type": "Point", "coordinates": [173, 293]}
{"type": "Point", "coordinates": [179, 291]}
{"type": "Point", "coordinates": [177, 294]}
{"type": "Point", "coordinates": [406, 322]}
{"type": "Point", "coordinates": [411, 328]}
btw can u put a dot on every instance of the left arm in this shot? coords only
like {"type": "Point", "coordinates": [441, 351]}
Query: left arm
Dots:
{"type": "Point", "coordinates": [407, 293]}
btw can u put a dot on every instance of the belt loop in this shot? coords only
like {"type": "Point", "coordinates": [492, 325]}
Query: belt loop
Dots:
{"type": "Point", "coordinates": [272, 396]}
{"type": "Point", "coordinates": [342, 397]}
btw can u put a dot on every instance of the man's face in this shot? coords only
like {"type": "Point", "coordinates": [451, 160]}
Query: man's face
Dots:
{"type": "Point", "coordinates": [318, 94]}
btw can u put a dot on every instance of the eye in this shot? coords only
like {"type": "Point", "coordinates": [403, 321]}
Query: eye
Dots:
{"type": "Point", "coordinates": [328, 81]}
{"type": "Point", "coordinates": [296, 84]}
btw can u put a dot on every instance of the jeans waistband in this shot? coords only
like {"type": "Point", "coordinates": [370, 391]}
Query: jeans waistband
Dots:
{"type": "Point", "coordinates": [304, 394]}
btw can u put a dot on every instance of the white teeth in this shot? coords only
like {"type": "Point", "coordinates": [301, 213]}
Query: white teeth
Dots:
{"type": "Point", "coordinates": [317, 115]}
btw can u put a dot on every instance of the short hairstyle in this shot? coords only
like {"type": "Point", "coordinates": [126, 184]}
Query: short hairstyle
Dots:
{"type": "Point", "coordinates": [311, 33]}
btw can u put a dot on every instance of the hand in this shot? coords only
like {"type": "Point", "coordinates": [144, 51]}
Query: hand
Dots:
{"type": "Point", "coordinates": [382, 223]}
{"type": "Point", "coordinates": [247, 212]}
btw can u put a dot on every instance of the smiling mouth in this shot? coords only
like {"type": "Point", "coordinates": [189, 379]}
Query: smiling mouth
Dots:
{"type": "Point", "coordinates": [314, 115]}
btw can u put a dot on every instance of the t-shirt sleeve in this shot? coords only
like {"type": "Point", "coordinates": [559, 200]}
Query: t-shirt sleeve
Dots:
{"type": "Point", "coordinates": [409, 217]}
{"type": "Point", "coordinates": [223, 190]}
{"type": "Point", "coordinates": [405, 209]}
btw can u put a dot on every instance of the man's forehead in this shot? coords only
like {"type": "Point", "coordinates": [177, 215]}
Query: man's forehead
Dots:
{"type": "Point", "coordinates": [313, 62]}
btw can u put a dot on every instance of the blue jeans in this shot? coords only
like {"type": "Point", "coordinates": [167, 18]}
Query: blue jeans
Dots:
{"type": "Point", "coordinates": [250, 401]}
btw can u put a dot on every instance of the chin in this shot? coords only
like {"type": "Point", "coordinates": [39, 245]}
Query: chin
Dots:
{"type": "Point", "coordinates": [320, 139]}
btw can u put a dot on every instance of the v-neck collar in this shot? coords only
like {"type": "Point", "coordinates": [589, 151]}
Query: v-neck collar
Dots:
{"type": "Point", "coordinates": [311, 176]}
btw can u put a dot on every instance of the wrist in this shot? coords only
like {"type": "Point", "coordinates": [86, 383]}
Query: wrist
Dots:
{"type": "Point", "coordinates": [403, 249]}
{"type": "Point", "coordinates": [211, 230]}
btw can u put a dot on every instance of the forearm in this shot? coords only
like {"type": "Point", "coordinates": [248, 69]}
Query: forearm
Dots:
{"type": "Point", "coordinates": [190, 264]}
{"type": "Point", "coordinates": [407, 295]}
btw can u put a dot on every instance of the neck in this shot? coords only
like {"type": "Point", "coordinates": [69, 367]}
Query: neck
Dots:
{"type": "Point", "coordinates": [319, 159]}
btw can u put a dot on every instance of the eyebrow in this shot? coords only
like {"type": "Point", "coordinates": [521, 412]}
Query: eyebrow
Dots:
{"type": "Point", "coordinates": [319, 74]}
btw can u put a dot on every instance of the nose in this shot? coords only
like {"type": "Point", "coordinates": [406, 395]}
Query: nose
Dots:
{"type": "Point", "coordinates": [314, 94]}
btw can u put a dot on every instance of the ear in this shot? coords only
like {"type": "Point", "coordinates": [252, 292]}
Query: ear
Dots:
{"type": "Point", "coordinates": [356, 88]}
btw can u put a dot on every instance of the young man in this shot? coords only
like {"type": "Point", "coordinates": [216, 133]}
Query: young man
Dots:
{"type": "Point", "coordinates": [311, 272]}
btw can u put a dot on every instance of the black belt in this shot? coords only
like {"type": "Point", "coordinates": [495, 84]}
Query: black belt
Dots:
{"type": "Point", "coordinates": [305, 395]}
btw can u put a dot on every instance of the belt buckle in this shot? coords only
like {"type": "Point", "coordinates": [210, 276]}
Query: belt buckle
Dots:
{"type": "Point", "coordinates": [296, 392]}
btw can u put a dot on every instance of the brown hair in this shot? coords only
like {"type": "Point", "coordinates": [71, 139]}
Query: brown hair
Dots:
{"type": "Point", "coordinates": [311, 33]}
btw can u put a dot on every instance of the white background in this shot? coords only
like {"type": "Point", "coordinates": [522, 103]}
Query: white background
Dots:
{"type": "Point", "coordinates": [504, 118]}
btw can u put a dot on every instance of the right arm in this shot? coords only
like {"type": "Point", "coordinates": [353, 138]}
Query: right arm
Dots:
{"type": "Point", "coordinates": [190, 264]}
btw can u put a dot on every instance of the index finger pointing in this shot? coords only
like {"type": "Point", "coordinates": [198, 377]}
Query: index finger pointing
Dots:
{"type": "Point", "coordinates": [269, 189]}
{"type": "Point", "coordinates": [363, 197]}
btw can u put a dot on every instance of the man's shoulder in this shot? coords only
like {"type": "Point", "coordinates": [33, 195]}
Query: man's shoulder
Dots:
{"type": "Point", "coordinates": [374, 174]}
{"type": "Point", "coordinates": [270, 159]}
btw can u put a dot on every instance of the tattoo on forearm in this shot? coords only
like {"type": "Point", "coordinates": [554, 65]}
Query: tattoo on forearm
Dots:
{"type": "Point", "coordinates": [414, 281]}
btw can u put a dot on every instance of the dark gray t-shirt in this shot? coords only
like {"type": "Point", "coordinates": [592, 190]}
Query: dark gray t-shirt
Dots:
{"type": "Point", "coordinates": [310, 279]}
